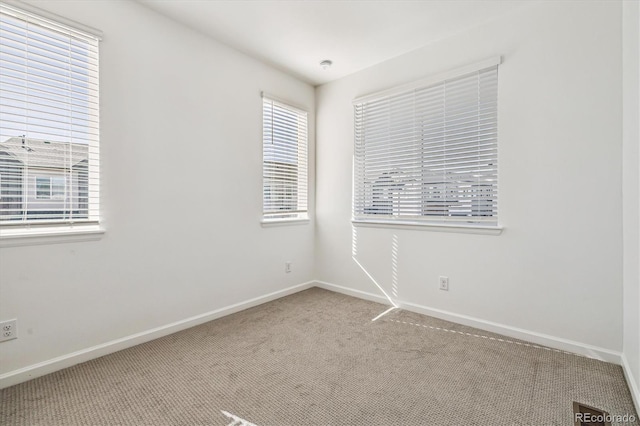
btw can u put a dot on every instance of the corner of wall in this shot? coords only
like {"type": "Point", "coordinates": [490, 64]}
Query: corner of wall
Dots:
{"type": "Point", "coordinates": [631, 196]}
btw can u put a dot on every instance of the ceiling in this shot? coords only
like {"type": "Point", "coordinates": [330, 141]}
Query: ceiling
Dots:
{"type": "Point", "coordinates": [296, 35]}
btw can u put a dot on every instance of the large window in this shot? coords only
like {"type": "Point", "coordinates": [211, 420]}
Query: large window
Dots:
{"type": "Point", "coordinates": [49, 133]}
{"type": "Point", "coordinates": [427, 153]}
{"type": "Point", "coordinates": [284, 161]}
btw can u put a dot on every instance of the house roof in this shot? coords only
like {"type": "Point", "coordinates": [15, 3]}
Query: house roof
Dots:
{"type": "Point", "coordinates": [44, 154]}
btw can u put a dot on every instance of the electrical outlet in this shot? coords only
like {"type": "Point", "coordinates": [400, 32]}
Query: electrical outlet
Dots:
{"type": "Point", "coordinates": [287, 267]}
{"type": "Point", "coordinates": [444, 283]}
{"type": "Point", "coordinates": [8, 330]}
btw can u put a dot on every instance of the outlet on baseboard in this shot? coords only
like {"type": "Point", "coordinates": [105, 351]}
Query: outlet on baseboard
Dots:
{"type": "Point", "coordinates": [444, 283]}
{"type": "Point", "coordinates": [8, 330]}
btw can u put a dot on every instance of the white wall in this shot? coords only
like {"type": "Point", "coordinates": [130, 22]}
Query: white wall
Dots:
{"type": "Point", "coordinates": [181, 149]}
{"type": "Point", "coordinates": [556, 270]}
{"type": "Point", "coordinates": [630, 193]}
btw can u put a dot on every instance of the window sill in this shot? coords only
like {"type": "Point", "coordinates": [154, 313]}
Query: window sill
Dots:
{"type": "Point", "coordinates": [439, 227]}
{"type": "Point", "coordinates": [49, 235]}
{"type": "Point", "coordinates": [266, 223]}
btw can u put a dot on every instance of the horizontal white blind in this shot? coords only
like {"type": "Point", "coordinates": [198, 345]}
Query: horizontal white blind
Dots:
{"type": "Point", "coordinates": [49, 122]}
{"type": "Point", "coordinates": [284, 165]}
{"type": "Point", "coordinates": [429, 154]}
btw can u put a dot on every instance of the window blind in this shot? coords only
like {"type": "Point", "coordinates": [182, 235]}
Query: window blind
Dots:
{"type": "Point", "coordinates": [429, 154]}
{"type": "Point", "coordinates": [49, 121]}
{"type": "Point", "coordinates": [284, 166]}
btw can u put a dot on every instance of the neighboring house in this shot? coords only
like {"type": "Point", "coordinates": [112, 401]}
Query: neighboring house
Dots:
{"type": "Point", "coordinates": [43, 180]}
{"type": "Point", "coordinates": [280, 185]}
{"type": "Point", "coordinates": [393, 193]}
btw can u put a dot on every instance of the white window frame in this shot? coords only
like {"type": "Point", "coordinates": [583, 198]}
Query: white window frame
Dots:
{"type": "Point", "coordinates": [274, 213]}
{"type": "Point", "coordinates": [33, 232]}
{"type": "Point", "coordinates": [393, 216]}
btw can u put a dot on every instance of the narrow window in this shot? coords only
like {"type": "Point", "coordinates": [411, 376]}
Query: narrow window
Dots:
{"type": "Point", "coordinates": [284, 161]}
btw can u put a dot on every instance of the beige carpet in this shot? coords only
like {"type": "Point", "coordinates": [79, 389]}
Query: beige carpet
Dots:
{"type": "Point", "coordinates": [316, 358]}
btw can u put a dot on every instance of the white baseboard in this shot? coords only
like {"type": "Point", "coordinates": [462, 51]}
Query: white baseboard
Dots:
{"type": "Point", "coordinates": [632, 382]}
{"type": "Point", "coordinates": [40, 369]}
{"type": "Point", "coordinates": [560, 343]}
{"type": "Point", "coordinates": [514, 332]}
{"type": "Point", "coordinates": [351, 292]}
{"type": "Point", "coordinates": [64, 361]}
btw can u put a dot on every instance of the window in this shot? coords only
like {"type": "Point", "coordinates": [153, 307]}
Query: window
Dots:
{"type": "Point", "coordinates": [57, 187]}
{"type": "Point", "coordinates": [43, 188]}
{"type": "Point", "coordinates": [427, 153]}
{"type": "Point", "coordinates": [50, 187]}
{"type": "Point", "coordinates": [49, 133]}
{"type": "Point", "coordinates": [284, 161]}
